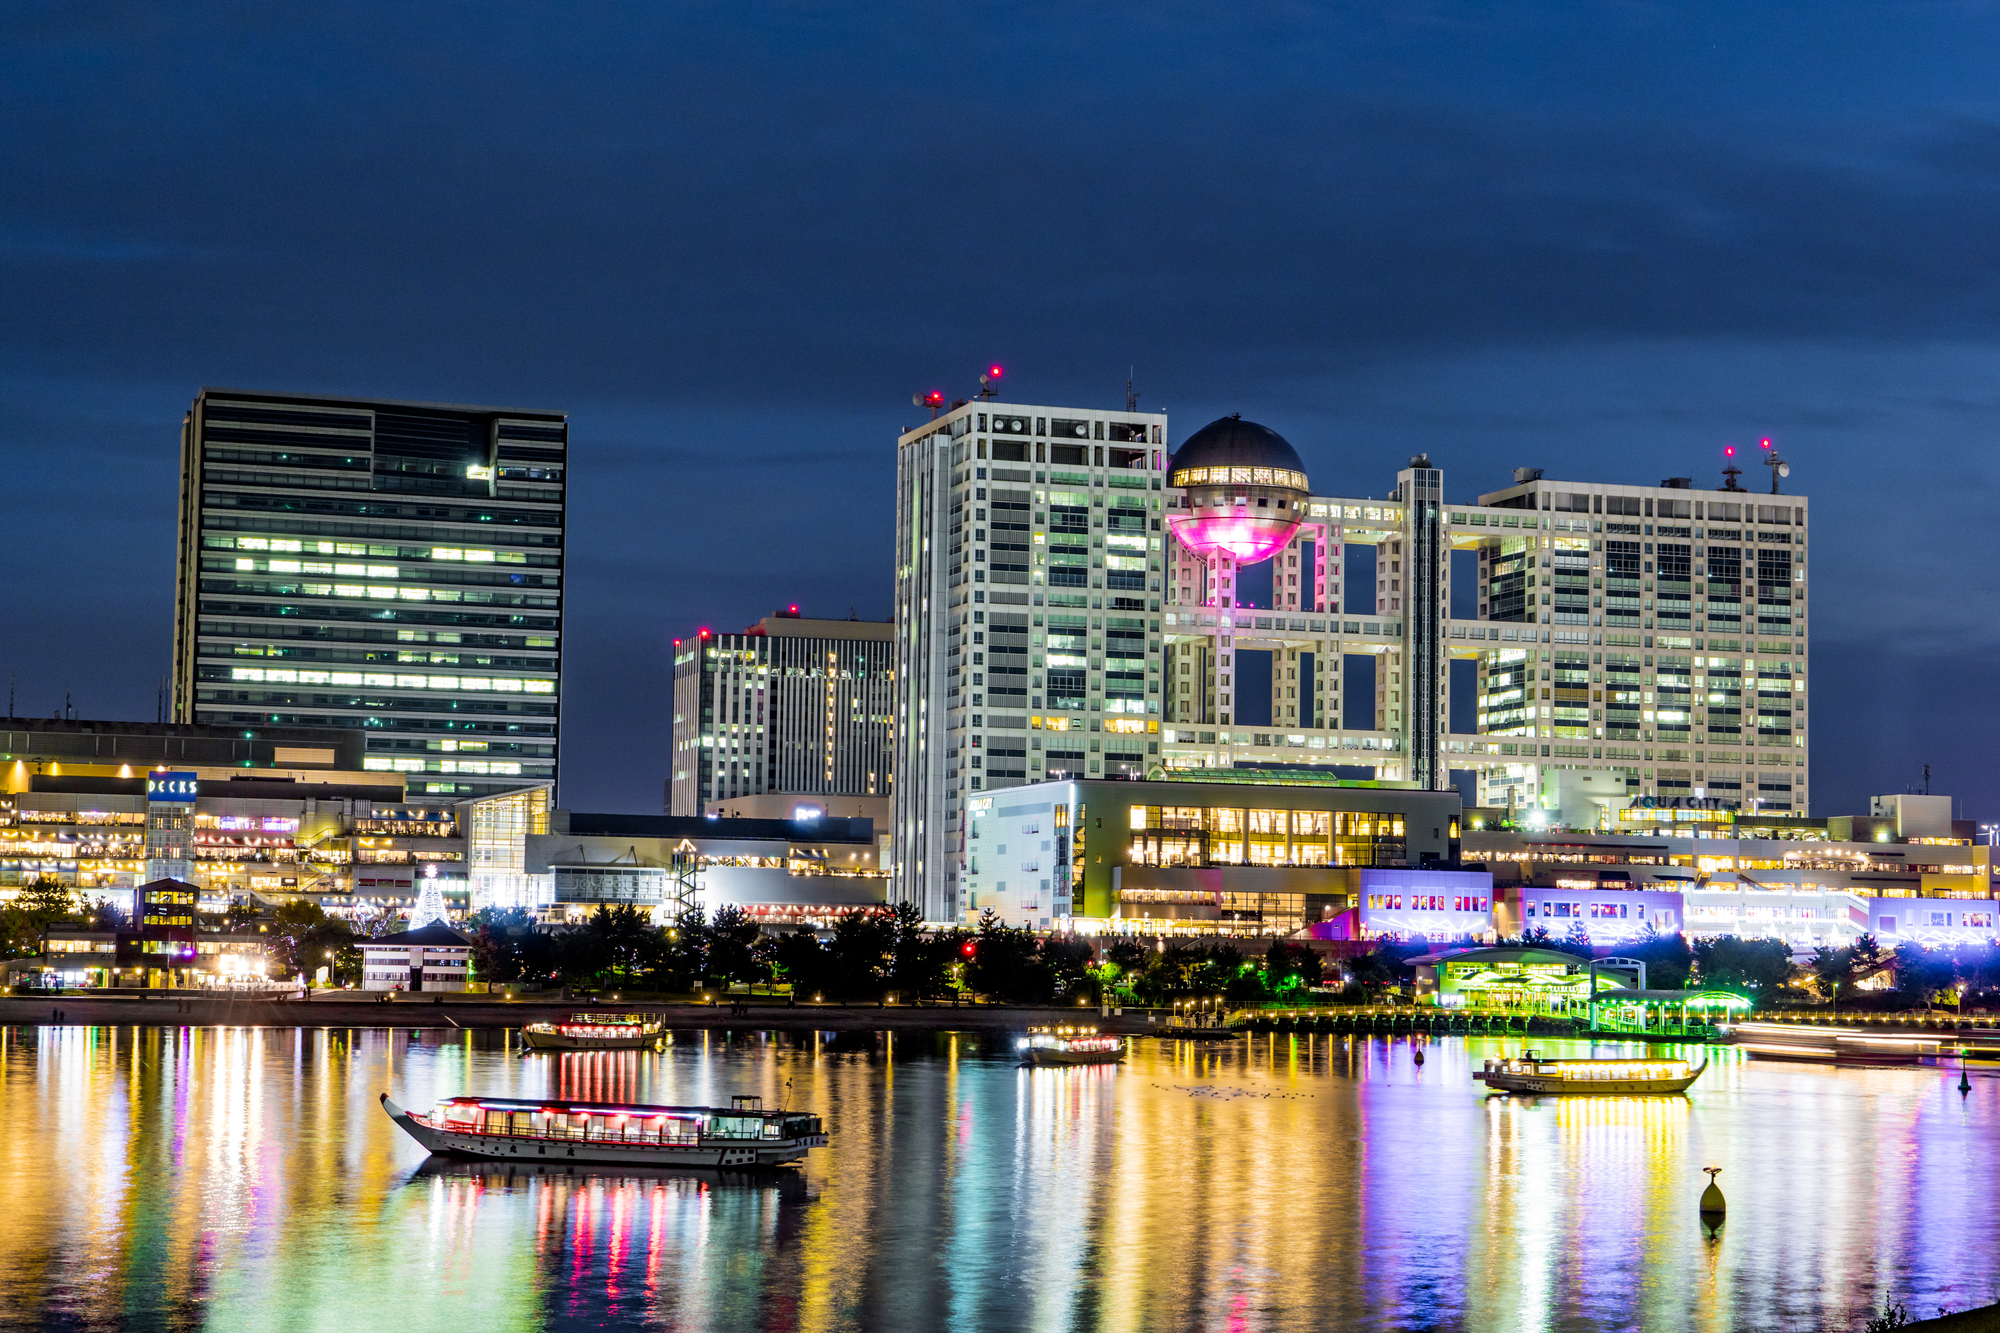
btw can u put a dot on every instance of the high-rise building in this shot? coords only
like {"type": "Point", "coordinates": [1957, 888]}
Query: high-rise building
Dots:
{"type": "Point", "coordinates": [1028, 586]}
{"type": "Point", "coordinates": [790, 707]}
{"type": "Point", "coordinates": [391, 566]}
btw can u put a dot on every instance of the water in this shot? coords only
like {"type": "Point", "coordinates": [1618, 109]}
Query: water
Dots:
{"type": "Point", "coordinates": [247, 1179]}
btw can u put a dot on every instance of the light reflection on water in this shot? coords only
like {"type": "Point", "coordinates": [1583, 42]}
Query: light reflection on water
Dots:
{"type": "Point", "coordinates": [247, 1179]}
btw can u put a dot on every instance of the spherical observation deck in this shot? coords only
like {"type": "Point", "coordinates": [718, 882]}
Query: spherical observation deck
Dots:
{"type": "Point", "coordinates": [1243, 486]}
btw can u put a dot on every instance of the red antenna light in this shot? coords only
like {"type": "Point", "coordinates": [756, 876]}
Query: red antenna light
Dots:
{"type": "Point", "coordinates": [1729, 451]}
{"type": "Point", "coordinates": [1766, 444]}
{"type": "Point", "coordinates": [704, 634]}
{"type": "Point", "coordinates": [933, 399]}
{"type": "Point", "coordinates": [993, 372]}
{"type": "Point", "coordinates": [795, 607]}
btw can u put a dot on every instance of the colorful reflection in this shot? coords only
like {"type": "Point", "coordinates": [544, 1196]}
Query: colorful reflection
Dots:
{"type": "Point", "coordinates": [245, 1178]}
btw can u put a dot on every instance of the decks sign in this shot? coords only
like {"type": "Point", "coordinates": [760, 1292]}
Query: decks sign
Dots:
{"type": "Point", "coordinates": [171, 787]}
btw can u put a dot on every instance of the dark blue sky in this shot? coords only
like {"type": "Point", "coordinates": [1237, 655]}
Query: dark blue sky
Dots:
{"type": "Point", "coordinates": [732, 239]}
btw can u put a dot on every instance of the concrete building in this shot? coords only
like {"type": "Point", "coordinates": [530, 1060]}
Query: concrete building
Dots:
{"type": "Point", "coordinates": [790, 708]}
{"type": "Point", "coordinates": [781, 872]}
{"type": "Point", "coordinates": [1224, 857]}
{"type": "Point", "coordinates": [388, 566]}
{"type": "Point", "coordinates": [1906, 872]}
{"type": "Point", "coordinates": [431, 958]}
{"type": "Point", "coordinates": [1588, 638]}
{"type": "Point", "coordinates": [353, 841]}
{"type": "Point", "coordinates": [1028, 586]}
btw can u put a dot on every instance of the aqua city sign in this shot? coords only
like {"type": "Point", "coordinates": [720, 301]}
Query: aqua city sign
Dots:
{"type": "Point", "coordinates": [171, 787]}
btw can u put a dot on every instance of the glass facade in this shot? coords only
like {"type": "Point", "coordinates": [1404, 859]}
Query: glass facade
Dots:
{"type": "Point", "coordinates": [393, 567]}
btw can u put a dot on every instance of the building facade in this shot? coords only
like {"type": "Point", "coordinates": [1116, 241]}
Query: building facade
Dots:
{"type": "Point", "coordinates": [781, 872]}
{"type": "Point", "coordinates": [1599, 614]}
{"type": "Point", "coordinates": [1175, 857]}
{"type": "Point", "coordinates": [387, 566]}
{"type": "Point", "coordinates": [791, 707]}
{"type": "Point", "coordinates": [1029, 557]}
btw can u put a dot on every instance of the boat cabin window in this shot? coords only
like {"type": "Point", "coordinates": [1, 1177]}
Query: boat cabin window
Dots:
{"type": "Point", "coordinates": [735, 1126]}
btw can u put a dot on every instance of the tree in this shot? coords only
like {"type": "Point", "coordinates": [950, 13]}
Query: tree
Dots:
{"type": "Point", "coordinates": [730, 937]}
{"type": "Point", "coordinates": [1832, 969]}
{"type": "Point", "coordinates": [1753, 967]}
{"type": "Point", "coordinates": [1006, 963]}
{"type": "Point", "coordinates": [683, 958]}
{"type": "Point", "coordinates": [920, 961]}
{"type": "Point", "coordinates": [859, 954]}
{"type": "Point", "coordinates": [802, 960]}
{"type": "Point", "coordinates": [1577, 941]}
{"type": "Point", "coordinates": [108, 915]}
{"type": "Point", "coordinates": [1921, 973]}
{"type": "Point", "coordinates": [1291, 967]}
{"type": "Point", "coordinates": [302, 936]}
{"type": "Point", "coordinates": [497, 942]}
{"type": "Point", "coordinates": [1668, 958]}
{"type": "Point", "coordinates": [46, 901]}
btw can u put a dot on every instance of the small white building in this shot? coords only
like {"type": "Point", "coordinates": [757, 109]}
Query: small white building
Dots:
{"type": "Point", "coordinates": [434, 958]}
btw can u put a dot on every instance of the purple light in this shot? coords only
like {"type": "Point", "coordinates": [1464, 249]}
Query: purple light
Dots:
{"type": "Point", "coordinates": [1243, 538]}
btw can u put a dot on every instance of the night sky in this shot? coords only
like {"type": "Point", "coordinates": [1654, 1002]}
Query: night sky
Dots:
{"type": "Point", "coordinates": [732, 239]}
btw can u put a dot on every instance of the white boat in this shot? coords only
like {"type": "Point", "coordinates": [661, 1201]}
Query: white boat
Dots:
{"type": "Point", "coordinates": [595, 1032]}
{"type": "Point", "coordinates": [505, 1129]}
{"type": "Point", "coordinates": [1069, 1046]}
{"type": "Point", "coordinates": [1531, 1073]}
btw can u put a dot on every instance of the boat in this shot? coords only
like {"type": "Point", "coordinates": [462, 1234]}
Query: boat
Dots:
{"type": "Point", "coordinates": [1069, 1046]}
{"type": "Point", "coordinates": [612, 1133]}
{"type": "Point", "coordinates": [1975, 1049]}
{"type": "Point", "coordinates": [1193, 1032]}
{"type": "Point", "coordinates": [1830, 1045]}
{"type": "Point", "coordinates": [595, 1032]}
{"type": "Point", "coordinates": [1532, 1073]}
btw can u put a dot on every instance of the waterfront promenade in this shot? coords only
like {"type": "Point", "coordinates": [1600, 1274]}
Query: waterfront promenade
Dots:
{"type": "Point", "coordinates": [479, 1012]}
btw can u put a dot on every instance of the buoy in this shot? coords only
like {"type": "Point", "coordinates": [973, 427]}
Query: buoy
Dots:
{"type": "Point", "coordinates": [1419, 1056]}
{"type": "Point", "coordinates": [1712, 1204]}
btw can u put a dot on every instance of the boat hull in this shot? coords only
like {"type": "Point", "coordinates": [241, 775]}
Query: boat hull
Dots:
{"type": "Point", "coordinates": [1609, 1087]}
{"type": "Point", "coordinates": [1043, 1057]}
{"type": "Point", "coordinates": [711, 1154]}
{"type": "Point", "coordinates": [1554, 1085]}
{"type": "Point", "coordinates": [557, 1041]}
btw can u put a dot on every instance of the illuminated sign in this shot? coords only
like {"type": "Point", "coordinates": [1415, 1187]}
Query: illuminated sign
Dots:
{"type": "Point", "coordinates": [171, 787]}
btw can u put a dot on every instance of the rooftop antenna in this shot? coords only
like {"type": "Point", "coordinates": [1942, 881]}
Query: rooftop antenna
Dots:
{"type": "Point", "coordinates": [1779, 467]}
{"type": "Point", "coordinates": [1730, 472]}
{"type": "Point", "coordinates": [933, 400]}
{"type": "Point", "coordinates": [986, 382]}
{"type": "Point", "coordinates": [1131, 399]}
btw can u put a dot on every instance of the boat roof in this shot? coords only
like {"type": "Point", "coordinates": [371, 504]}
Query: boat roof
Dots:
{"type": "Point", "coordinates": [610, 1108]}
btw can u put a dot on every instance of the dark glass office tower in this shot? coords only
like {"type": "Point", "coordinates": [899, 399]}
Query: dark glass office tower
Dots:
{"type": "Point", "coordinates": [390, 566]}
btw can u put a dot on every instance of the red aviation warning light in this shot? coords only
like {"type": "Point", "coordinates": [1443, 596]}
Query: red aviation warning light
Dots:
{"type": "Point", "coordinates": [1729, 451]}
{"type": "Point", "coordinates": [993, 372]}
{"type": "Point", "coordinates": [704, 634]}
{"type": "Point", "coordinates": [1766, 443]}
{"type": "Point", "coordinates": [968, 948]}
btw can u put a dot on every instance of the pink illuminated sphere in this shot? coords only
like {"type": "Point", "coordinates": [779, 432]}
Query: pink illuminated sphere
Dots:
{"type": "Point", "coordinates": [1242, 487]}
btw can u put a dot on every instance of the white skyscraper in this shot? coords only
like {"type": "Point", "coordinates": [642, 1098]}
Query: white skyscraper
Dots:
{"type": "Point", "coordinates": [1029, 567]}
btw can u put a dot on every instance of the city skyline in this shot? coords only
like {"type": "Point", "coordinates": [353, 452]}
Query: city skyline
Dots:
{"type": "Point", "coordinates": [1710, 229]}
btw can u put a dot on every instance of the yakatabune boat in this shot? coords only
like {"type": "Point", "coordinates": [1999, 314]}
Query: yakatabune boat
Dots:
{"type": "Point", "coordinates": [499, 1128]}
{"type": "Point", "coordinates": [595, 1032]}
{"type": "Point", "coordinates": [1069, 1046]}
{"type": "Point", "coordinates": [1531, 1073]}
